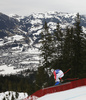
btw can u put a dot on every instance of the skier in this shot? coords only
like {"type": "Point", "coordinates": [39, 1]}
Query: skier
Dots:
{"type": "Point", "coordinates": [58, 74]}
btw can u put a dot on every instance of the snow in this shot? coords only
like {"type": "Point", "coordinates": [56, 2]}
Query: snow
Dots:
{"type": "Point", "coordinates": [16, 37]}
{"type": "Point", "coordinates": [36, 21]}
{"type": "Point", "coordinates": [78, 93]}
{"type": "Point", "coordinates": [73, 15]}
{"type": "Point", "coordinates": [39, 31]}
{"type": "Point", "coordinates": [16, 16]}
{"type": "Point", "coordinates": [72, 94]}
{"type": "Point", "coordinates": [33, 58]}
{"type": "Point", "coordinates": [29, 58]}
{"type": "Point", "coordinates": [8, 95]}
{"type": "Point", "coordinates": [5, 70]}
{"type": "Point", "coordinates": [33, 51]}
{"type": "Point", "coordinates": [12, 39]}
{"type": "Point", "coordinates": [1, 42]}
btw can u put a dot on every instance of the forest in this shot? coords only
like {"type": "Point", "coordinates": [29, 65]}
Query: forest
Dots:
{"type": "Point", "coordinates": [60, 49]}
{"type": "Point", "coordinates": [63, 49]}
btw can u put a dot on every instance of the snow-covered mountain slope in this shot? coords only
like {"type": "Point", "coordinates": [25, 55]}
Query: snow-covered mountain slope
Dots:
{"type": "Point", "coordinates": [33, 24]}
{"type": "Point", "coordinates": [20, 36]}
{"type": "Point", "coordinates": [16, 55]}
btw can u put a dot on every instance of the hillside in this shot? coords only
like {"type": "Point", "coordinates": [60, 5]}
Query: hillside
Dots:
{"type": "Point", "coordinates": [20, 40]}
{"type": "Point", "coordinates": [20, 36]}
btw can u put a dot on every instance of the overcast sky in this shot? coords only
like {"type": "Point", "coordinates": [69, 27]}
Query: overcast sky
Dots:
{"type": "Point", "coordinates": [26, 7]}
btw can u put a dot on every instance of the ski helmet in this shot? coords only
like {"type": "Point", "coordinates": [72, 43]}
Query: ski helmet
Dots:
{"type": "Point", "coordinates": [52, 70]}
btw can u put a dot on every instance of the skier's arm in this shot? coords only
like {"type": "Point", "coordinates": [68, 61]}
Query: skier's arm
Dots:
{"type": "Point", "coordinates": [54, 75]}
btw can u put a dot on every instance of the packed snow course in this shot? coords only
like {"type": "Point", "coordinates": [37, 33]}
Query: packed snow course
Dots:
{"type": "Point", "coordinates": [72, 94]}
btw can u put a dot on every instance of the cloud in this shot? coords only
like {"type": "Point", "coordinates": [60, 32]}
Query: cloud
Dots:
{"type": "Point", "coordinates": [26, 7]}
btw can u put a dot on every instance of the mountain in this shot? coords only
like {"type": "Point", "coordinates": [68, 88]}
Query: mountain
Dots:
{"type": "Point", "coordinates": [33, 24]}
{"type": "Point", "coordinates": [20, 36]}
{"type": "Point", "coordinates": [7, 25]}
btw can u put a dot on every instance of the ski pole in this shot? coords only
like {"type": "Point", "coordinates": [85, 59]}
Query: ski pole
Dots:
{"type": "Point", "coordinates": [71, 78]}
{"type": "Point", "coordinates": [67, 70]}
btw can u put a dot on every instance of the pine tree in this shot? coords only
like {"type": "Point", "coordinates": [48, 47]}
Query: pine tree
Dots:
{"type": "Point", "coordinates": [46, 47]}
{"type": "Point", "coordinates": [41, 78]}
{"type": "Point", "coordinates": [4, 98]}
{"type": "Point", "coordinates": [83, 58]}
{"type": "Point", "coordinates": [12, 97]}
{"type": "Point", "coordinates": [58, 39]}
{"type": "Point", "coordinates": [68, 50]}
{"type": "Point", "coordinates": [58, 46]}
{"type": "Point", "coordinates": [77, 47]}
{"type": "Point", "coordinates": [16, 95]}
{"type": "Point", "coordinates": [72, 52]}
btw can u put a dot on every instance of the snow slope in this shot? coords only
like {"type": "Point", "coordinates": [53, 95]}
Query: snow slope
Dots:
{"type": "Point", "coordinates": [72, 94]}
